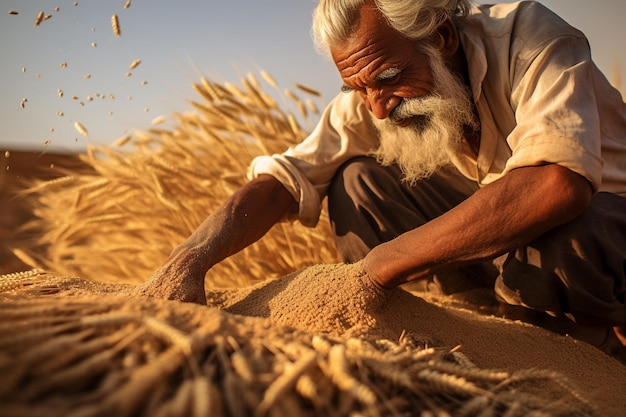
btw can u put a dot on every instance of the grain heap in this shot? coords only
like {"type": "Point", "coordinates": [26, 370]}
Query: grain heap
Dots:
{"type": "Point", "coordinates": [70, 347]}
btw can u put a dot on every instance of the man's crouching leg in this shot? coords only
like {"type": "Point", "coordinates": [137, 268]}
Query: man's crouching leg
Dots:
{"type": "Point", "coordinates": [576, 273]}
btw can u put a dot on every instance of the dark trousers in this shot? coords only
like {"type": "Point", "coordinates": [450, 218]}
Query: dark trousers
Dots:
{"type": "Point", "coordinates": [575, 271]}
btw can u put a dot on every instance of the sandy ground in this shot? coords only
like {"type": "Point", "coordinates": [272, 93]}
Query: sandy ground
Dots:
{"type": "Point", "coordinates": [488, 341]}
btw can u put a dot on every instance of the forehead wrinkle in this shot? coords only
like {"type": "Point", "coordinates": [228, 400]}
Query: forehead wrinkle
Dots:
{"type": "Point", "coordinates": [361, 64]}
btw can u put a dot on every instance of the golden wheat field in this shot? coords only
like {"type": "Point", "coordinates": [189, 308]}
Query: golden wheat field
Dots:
{"type": "Point", "coordinates": [74, 343]}
{"type": "Point", "coordinates": [79, 232]}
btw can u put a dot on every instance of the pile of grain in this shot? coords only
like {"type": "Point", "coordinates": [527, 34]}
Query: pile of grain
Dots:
{"type": "Point", "coordinates": [71, 347]}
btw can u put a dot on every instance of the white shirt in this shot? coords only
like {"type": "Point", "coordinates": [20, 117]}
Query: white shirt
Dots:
{"type": "Point", "coordinates": [540, 99]}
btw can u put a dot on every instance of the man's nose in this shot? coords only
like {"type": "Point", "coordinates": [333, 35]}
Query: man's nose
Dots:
{"type": "Point", "coordinates": [381, 103]}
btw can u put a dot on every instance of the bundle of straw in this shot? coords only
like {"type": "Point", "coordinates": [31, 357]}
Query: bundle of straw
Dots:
{"type": "Point", "coordinates": [123, 220]}
{"type": "Point", "coordinates": [100, 355]}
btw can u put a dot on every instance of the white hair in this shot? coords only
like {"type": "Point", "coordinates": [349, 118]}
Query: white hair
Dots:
{"type": "Point", "coordinates": [335, 20]}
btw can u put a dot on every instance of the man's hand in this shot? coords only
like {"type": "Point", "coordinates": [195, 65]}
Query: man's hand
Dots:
{"type": "Point", "coordinates": [243, 219]}
{"type": "Point", "coordinates": [173, 282]}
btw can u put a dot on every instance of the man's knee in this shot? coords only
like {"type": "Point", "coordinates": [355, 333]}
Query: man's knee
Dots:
{"type": "Point", "coordinates": [355, 179]}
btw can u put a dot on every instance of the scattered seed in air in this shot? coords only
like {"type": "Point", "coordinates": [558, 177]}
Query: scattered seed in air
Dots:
{"type": "Point", "coordinates": [60, 113]}
{"type": "Point", "coordinates": [60, 92]}
{"type": "Point", "coordinates": [80, 128]}
{"type": "Point", "coordinates": [7, 154]}
{"type": "Point", "coordinates": [13, 12]}
{"type": "Point", "coordinates": [87, 76]}
{"type": "Point", "coordinates": [75, 3]}
{"type": "Point", "coordinates": [47, 142]}
{"type": "Point", "coordinates": [115, 24]}
{"type": "Point", "coordinates": [128, 74]}
{"type": "Point", "coordinates": [56, 9]}
{"type": "Point", "coordinates": [23, 102]}
{"type": "Point", "coordinates": [135, 64]}
{"type": "Point", "coordinates": [144, 82]}
{"type": "Point", "coordinates": [23, 69]}
{"type": "Point", "coordinates": [63, 64]}
{"type": "Point", "coordinates": [127, 5]}
{"type": "Point", "coordinates": [39, 18]}
{"type": "Point", "coordinates": [94, 45]}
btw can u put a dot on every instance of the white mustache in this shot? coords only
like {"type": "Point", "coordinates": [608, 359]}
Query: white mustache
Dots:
{"type": "Point", "coordinates": [425, 107]}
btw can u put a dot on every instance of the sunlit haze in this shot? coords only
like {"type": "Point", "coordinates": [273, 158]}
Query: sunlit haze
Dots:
{"type": "Point", "coordinates": [76, 51]}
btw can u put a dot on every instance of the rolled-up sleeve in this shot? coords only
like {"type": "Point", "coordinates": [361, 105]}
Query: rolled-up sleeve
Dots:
{"type": "Point", "coordinates": [344, 131]}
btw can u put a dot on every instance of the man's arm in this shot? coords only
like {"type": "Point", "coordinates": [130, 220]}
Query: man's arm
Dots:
{"type": "Point", "coordinates": [240, 221]}
{"type": "Point", "coordinates": [498, 218]}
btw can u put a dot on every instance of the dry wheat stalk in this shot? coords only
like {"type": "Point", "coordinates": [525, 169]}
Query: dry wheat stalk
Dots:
{"type": "Point", "coordinates": [120, 356]}
{"type": "Point", "coordinates": [165, 181]}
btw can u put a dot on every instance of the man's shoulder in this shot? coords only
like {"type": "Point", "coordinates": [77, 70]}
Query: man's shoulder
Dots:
{"type": "Point", "coordinates": [526, 20]}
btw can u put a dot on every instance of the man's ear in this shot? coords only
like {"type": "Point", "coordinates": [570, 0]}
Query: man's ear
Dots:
{"type": "Point", "coordinates": [447, 38]}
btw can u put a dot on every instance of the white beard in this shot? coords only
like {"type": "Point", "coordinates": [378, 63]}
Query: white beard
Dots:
{"type": "Point", "coordinates": [426, 145]}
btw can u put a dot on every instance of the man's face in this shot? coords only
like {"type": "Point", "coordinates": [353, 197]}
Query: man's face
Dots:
{"type": "Point", "coordinates": [382, 66]}
{"type": "Point", "coordinates": [419, 106]}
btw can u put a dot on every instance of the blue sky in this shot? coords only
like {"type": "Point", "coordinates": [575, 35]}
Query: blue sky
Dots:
{"type": "Point", "coordinates": [177, 42]}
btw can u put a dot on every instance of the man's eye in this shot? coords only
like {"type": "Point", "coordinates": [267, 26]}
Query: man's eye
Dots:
{"type": "Point", "coordinates": [389, 76]}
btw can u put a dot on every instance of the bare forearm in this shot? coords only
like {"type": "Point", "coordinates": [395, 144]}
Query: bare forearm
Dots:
{"type": "Point", "coordinates": [240, 221]}
{"type": "Point", "coordinates": [498, 218]}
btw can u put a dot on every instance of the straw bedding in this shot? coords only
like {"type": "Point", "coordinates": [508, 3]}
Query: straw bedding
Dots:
{"type": "Point", "coordinates": [88, 346]}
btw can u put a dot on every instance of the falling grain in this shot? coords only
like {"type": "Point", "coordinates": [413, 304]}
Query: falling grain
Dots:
{"type": "Point", "coordinates": [135, 64]}
{"type": "Point", "coordinates": [13, 12]}
{"type": "Point", "coordinates": [39, 18]}
{"type": "Point", "coordinates": [81, 129]}
{"type": "Point", "coordinates": [94, 45]}
{"type": "Point", "coordinates": [127, 4]}
{"type": "Point", "coordinates": [115, 24]}
{"type": "Point", "coordinates": [63, 64]}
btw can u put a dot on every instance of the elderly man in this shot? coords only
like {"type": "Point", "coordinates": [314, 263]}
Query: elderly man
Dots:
{"type": "Point", "coordinates": [469, 148]}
